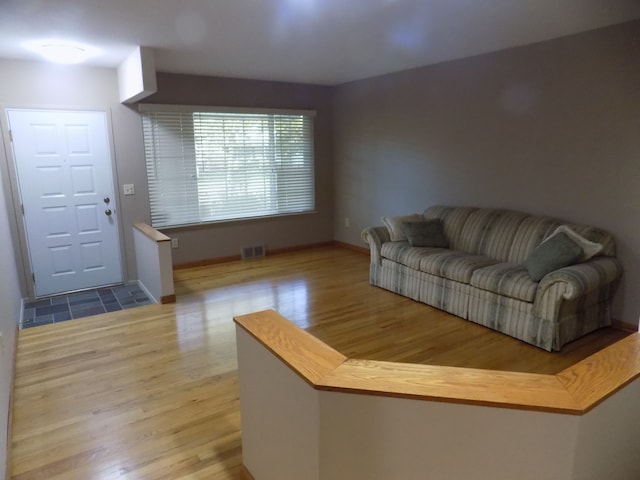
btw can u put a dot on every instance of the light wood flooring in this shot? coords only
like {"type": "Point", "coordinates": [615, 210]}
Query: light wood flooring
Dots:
{"type": "Point", "coordinates": [151, 393]}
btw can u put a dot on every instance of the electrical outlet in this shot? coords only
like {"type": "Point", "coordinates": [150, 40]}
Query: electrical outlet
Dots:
{"type": "Point", "coordinates": [175, 243]}
{"type": "Point", "coordinates": [347, 222]}
{"type": "Point", "coordinates": [128, 189]}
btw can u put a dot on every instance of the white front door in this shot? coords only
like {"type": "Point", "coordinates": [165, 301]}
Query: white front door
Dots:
{"type": "Point", "coordinates": [64, 171]}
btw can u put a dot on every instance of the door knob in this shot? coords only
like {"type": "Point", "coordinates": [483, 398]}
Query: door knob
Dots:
{"type": "Point", "coordinates": [107, 200]}
{"type": "Point", "coordinates": [108, 212]}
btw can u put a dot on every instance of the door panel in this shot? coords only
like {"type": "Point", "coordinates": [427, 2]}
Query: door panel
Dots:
{"type": "Point", "coordinates": [64, 171]}
{"type": "Point", "coordinates": [82, 180]}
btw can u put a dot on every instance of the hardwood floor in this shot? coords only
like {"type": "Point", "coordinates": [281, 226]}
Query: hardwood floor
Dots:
{"type": "Point", "coordinates": [151, 393]}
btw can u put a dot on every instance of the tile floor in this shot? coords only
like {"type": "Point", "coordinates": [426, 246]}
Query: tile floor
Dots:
{"type": "Point", "coordinates": [82, 304]}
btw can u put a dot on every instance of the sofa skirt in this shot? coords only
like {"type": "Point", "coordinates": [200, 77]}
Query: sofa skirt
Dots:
{"type": "Point", "coordinates": [512, 317]}
{"type": "Point", "coordinates": [444, 294]}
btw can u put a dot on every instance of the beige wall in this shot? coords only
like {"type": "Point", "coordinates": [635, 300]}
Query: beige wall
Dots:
{"type": "Point", "coordinates": [40, 85]}
{"type": "Point", "coordinates": [226, 239]}
{"type": "Point", "coordinates": [10, 301]}
{"type": "Point", "coordinates": [155, 269]}
{"type": "Point", "coordinates": [280, 416]}
{"type": "Point", "coordinates": [291, 431]}
{"type": "Point", "coordinates": [551, 128]}
{"type": "Point", "coordinates": [27, 84]}
{"type": "Point", "coordinates": [610, 431]}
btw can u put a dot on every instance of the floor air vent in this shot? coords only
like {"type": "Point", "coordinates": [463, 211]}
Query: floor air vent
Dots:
{"type": "Point", "coordinates": [252, 251]}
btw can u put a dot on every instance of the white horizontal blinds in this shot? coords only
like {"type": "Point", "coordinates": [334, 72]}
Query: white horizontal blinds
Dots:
{"type": "Point", "coordinates": [230, 166]}
{"type": "Point", "coordinates": [171, 168]}
{"type": "Point", "coordinates": [293, 140]}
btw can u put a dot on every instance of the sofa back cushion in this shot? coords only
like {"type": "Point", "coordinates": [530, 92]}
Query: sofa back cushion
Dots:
{"type": "Point", "coordinates": [531, 232]}
{"type": "Point", "coordinates": [505, 235]}
{"type": "Point", "coordinates": [475, 228]}
{"type": "Point", "coordinates": [453, 219]}
{"type": "Point", "coordinates": [498, 234]}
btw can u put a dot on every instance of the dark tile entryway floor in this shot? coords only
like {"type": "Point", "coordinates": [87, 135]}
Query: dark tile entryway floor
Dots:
{"type": "Point", "coordinates": [82, 304]}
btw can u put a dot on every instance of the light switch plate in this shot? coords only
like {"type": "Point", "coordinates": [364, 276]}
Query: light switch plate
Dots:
{"type": "Point", "coordinates": [128, 189]}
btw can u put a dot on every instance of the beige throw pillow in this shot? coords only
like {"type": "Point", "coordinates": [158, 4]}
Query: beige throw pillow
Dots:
{"type": "Point", "coordinates": [589, 248]}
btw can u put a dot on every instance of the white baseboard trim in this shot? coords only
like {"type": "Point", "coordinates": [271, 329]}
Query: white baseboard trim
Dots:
{"type": "Point", "coordinates": [147, 293]}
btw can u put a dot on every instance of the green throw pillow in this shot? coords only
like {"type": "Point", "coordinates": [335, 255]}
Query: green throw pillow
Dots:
{"type": "Point", "coordinates": [429, 233]}
{"type": "Point", "coordinates": [554, 253]}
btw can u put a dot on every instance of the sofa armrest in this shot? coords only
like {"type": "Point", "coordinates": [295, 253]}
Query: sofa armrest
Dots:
{"type": "Point", "coordinates": [375, 237]}
{"type": "Point", "coordinates": [574, 281]}
{"type": "Point", "coordinates": [582, 278]}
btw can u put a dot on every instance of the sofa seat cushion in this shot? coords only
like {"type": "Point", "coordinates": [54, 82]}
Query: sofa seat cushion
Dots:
{"type": "Point", "coordinates": [405, 254]}
{"type": "Point", "coordinates": [453, 265]}
{"type": "Point", "coordinates": [508, 279]}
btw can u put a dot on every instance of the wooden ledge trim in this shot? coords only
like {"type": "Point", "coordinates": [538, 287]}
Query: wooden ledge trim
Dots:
{"type": "Point", "coordinates": [151, 232]}
{"type": "Point", "coordinates": [573, 391]}
{"type": "Point", "coordinates": [309, 357]}
{"type": "Point", "coordinates": [451, 384]}
{"type": "Point", "coordinates": [602, 374]}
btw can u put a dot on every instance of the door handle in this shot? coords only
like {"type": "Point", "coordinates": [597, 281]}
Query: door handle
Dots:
{"type": "Point", "coordinates": [106, 200]}
{"type": "Point", "coordinates": [108, 212]}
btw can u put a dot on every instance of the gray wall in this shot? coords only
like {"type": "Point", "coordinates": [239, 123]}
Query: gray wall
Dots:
{"type": "Point", "coordinates": [551, 128]}
{"type": "Point", "coordinates": [225, 239]}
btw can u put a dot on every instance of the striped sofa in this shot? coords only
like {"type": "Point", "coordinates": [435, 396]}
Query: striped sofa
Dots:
{"type": "Point", "coordinates": [481, 276]}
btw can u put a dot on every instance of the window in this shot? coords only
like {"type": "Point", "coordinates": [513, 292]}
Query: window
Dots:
{"type": "Point", "coordinates": [208, 166]}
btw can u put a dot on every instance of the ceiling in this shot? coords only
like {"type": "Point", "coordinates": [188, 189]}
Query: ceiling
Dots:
{"type": "Point", "coordinates": [310, 41]}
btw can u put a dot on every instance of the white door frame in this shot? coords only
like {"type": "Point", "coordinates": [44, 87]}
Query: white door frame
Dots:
{"type": "Point", "coordinates": [16, 220]}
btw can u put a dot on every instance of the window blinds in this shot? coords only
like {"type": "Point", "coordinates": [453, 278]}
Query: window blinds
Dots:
{"type": "Point", "coordinates": [212, 166]}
